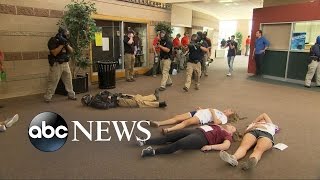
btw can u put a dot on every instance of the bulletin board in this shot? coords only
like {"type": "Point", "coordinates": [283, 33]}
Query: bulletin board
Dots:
{"type": "Point", "coordinates": [278, 35]}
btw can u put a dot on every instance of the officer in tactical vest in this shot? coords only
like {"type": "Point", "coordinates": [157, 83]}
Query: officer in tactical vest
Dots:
{"type": "Point", "coordinates": [59, 67]}
{"type": "Point", "coordinates": [196, 49]}
{"type": "Point", "coordinates": [314, 66]}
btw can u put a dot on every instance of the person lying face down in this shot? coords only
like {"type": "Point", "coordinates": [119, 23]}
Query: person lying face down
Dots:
{"type": "Point", "coordinates": [260, 135]}
{"type": "Point", "coordinates": [106, 100]}
{"type": "Point", "coordinates": [206, 138]}
{"type": "Point", "coordinates": [199, 116]}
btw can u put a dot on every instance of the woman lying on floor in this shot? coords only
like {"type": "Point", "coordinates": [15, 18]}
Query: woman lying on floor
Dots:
{"type": "Point", "coordinates": [206, 138]}
{"type": "Point", "coordinates": [259, 135]}
{"type": "Point", "coordinates": [200, 116]}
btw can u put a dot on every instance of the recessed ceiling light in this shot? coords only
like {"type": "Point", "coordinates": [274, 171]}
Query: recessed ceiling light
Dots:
{"type": "Point", "coordinates": [225, 1]}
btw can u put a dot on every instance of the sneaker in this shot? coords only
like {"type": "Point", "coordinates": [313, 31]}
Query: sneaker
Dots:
{"type": "Point", "coordinates": [307, 86]}
{"type": "Point", "coordinates": [47, 100]}
{"type": "Point", "coordinates": [185, 89]}
{"type": "Point", "coordinates": [162, 104]}
{"type": "Point", "coordinates": [164, 131]}
{"type": "Point", "coordinates": [206, 75]}
{"type": "Point", "coordinates": [229, 74]}
{"type": "Point", "coordinates": [3, 128]}
{"type": "Point", "coordinates": [197, 88]}
{"type": "Point", "coordinates": [249, 164]}
{"type": "Point", "coordinates": [154, 124]}
{"type": "Point", "coordinates": [9, 122]}
{"type": "Point", "coordinates": [149, 151]}
{"type": "Point", "coordinates": [228, 158]}
{"type": "Point", "coordinates": [133, 80]}
{"type": "Point", "coordinates": [156, 94]}
{"type": "Point", "coordinates": [129, 80]}
{"type": "Point", "coordinates": [139, 141]}
{"type": "Point", "coordinates": [154, 76]}
{"type": "Point", "coordinates": [170, 84]}
{"type": "Point", "coordinates": [73, 98]}
{"type": "Point", "coordinates": [162, 89]}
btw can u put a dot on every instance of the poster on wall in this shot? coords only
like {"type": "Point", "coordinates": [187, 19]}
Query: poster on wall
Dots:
{"type": "Point", "coordinates": [105, 44]}
{"type": "Point", "coordinates": [298, 40]}
{"type": "Point", "coordinates": [98, 38]}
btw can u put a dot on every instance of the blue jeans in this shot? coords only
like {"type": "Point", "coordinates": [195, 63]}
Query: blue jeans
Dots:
{"type": "Point", "coordinates": [230, 63]}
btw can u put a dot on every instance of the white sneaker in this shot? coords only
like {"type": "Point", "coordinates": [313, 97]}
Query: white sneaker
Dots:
{"type": "Point", "coordinates": [9, 122]}
{"type": "Point", "coordinates": [229, 74]}
{"type": "Point", "coordinates": [3, 128]}
{"type": "Point", "coordinates": [139, 141]}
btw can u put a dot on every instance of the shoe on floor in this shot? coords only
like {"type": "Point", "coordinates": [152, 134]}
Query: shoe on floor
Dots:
{"type": "Point", "coordinates": [164, 131]}
{"type": "Point", "coordinates": [139, 141]}
{"type": "Point", "coordinates": [129, 80]}
{"type": "Point", "coordinates": [3, 128]}
{"type": "Point", "coordinates": [72, 98]}
{"type": "Point", "coordinates": [133, 80]}
{"type": "Point", "coordinates": [249, 164]}
{"type": "Point", "coordinates": [228, 158]}
{"type": "Point", "coordinates": [154, 76]}
{"type": "Point", "coordinates": [170, 84]}
{"type": "Point", "coordinates": [9, 122]}
{"type": "Point", "coordinates": [162, 104]}
{"type": "Point", "coordinates": [162, 89]}
{"type": "Point", "coordinates": [154, 124]}
{"type": "Point", "coordinates": [47, 100]}
{"type": "Point", "coordinates": [185, 89]}
{"type": "Point", "coordinates": [197, 88]}
{"type": "Point", "coordinates": [149, 151]}
{"type": "Point", "coordinates": [307, 86]}
{"type": "Point", "coordinates": [229, 74]}
{"type": "Point", "coordinates": [156, 94]}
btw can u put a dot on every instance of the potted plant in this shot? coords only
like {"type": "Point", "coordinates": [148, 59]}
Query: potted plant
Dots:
{"type": "Point", "coordinates": [82, 27]}
{"type": "Point", "coordinates": [164, 26]}
{"type": "Point", "coordinates": [239, 38]}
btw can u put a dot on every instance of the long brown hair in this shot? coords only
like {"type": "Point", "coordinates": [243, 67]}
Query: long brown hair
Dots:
{"type": "Point", "coordinates": [235, 117]}
{"type": "Point", "coordinates": [237, 136]}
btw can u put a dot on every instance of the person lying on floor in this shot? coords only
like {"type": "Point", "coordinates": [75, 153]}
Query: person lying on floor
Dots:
{"type": "Point", "coordinates": [206, 138]}
{"type": "Point", "coordinates": [8, 123]}
{"type": "Point", "coordinates": [106, 100]}
{"type": "Point", "coordinates": [260, 135]}
{"type": "Point", "coordinates": [200, 116]}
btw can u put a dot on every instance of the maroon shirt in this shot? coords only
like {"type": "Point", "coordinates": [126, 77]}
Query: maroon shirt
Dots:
{"type": "Point", "coordinates": [215, 134]}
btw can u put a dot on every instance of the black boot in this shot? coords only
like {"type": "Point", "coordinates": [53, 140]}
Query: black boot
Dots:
{"type": "Point", "coordinates": [162, 104]}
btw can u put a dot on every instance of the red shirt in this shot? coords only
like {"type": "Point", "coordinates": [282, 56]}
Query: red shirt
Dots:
{"type": "Point", "coordinates": [215, 134]}
{"type": "Point", "coordinates": [185, 41]}
{"type": "Point", "coordinates": [176, 42]}
{"type": "Point", "coordinates": [248, 41]}
{"type": "Point", "coordinates": [155, 42]}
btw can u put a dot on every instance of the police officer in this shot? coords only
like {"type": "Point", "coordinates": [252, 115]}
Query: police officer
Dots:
{"type": "Point", "coordinates": [314, 64]}
{"type": "Point", "coordinates": [165, 46]}
{"type": "Point", "coordinates": [59, 67]}
{"type": "Point", "coordinates": [129, 55]}
{"type": "Point", "coordinates": [197, 49]}
{"type": "Point", "coordinates": [204, 55]}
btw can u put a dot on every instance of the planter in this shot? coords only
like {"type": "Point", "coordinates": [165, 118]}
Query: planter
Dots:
{"type": "Point", "coordinates": [80, 85]}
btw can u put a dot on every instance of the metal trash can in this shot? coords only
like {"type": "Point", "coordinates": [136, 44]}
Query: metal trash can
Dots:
{"type": "Point", "coordinates": [107, 74]}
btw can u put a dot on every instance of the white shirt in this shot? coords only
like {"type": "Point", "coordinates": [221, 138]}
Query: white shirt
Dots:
{"type": "Point", "coordinates": [268, 127]}
{"type": "Point", "coordinates": [222, 117]}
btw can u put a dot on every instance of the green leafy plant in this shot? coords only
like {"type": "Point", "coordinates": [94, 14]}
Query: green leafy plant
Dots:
{"type": "Point", "coordinates": [164, 26]}
{"type": "Point", "coordinates": [239, 38]}
{"type": "Point", "coordinates": [82, 28]}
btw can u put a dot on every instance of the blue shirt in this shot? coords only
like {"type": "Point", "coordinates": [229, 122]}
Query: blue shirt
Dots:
{"type": "Point", "coordinates": [261, 44]}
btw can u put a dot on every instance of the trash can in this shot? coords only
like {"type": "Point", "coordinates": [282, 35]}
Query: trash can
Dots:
{"type": "Point", "coordinates": [107, 74]}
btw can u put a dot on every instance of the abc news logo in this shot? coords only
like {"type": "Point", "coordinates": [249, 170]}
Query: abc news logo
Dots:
{"type": "Point", "coordinates": [48, 131]}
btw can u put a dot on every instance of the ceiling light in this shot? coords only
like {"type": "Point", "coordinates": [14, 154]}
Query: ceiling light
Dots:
{"type": "Point", "coordinates": [225, 1]}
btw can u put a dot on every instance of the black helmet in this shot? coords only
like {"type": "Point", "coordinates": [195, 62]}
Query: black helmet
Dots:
{"type": "Point", "coordinates": [86, 99]}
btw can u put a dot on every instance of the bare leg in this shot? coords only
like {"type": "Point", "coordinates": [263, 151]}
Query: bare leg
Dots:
{"type": "Point", "coordinates": [263, 144]}
{"type": "Point", "coordinates": [247, 142]}
{"type": "Point", "coordinates": [174, 120]}
{"type": "Point", "coordinates": [188, 122]}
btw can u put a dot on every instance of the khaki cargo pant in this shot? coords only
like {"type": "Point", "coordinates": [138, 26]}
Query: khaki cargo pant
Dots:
{"type": "Point", "coordinates": [196, 68]}
{"type": "Point", "coordinates": [56, 72]}
{"type": "Point", "coordinates": [204, 64]}
{"type": "Point", "coordinates": [165, 65]}
{"type": "Point", "coordinates": [313, 67]}
{"type": "Point", "coordinates": [139, 101]}
{"type": "Point", "coordinates": [129, 61]}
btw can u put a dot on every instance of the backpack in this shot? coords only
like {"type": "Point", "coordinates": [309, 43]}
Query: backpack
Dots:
{"type": "Point", "coordinates": [104, 100]}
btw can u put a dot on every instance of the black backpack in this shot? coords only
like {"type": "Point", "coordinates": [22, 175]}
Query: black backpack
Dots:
{"type": "Point", "coordinates": [104, 100]}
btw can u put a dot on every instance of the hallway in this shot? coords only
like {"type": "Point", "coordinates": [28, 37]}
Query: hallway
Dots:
{"type": "Point", "coordinates": [292, 107]}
